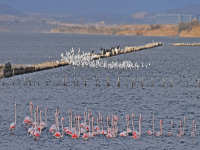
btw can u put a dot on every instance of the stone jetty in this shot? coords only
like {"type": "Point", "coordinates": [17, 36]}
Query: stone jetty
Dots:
{"type": "Point", "coordinates": [7, 70]}
{"type": "Point", "coordinates": [186, 44]}
{"type": "Point", "coordinates": [126, 50]}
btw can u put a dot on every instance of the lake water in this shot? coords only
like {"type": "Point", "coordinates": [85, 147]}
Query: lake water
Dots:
{"type": "Point", "coordinates": [166, 103]}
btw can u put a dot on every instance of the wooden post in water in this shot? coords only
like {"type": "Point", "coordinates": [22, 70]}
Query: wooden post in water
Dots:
{"type": "Point", "coordinates": [96, 80]}
{"type": "Point", "coordinates": [171, 81]}
{"type": "Point", "coordinates": [99, 79]}
{"type": "Point", "coordinates": [3, 80]}
{"type": "Point", "coordinates": [63, 80]}
{"type": "Point", "coordinates": [127, 82]}
{"type": "Point", "coordinates": [132, 81]}
{"type": "Point", "coordinates": [108, 82]}
{"type": "Point", "coordinates": [118, 81]}
{"type": "Point", "coordinates": [85, 80]}
{"type": "Point", "coordinates": [53, 80]}
{"type": "Point", "coordinates": [77, 80]}
{"type": "Point", "coordinates": [24, 80]}
{"type": "Point", "coordinates": [163, 81]}
{"type": "Point", "coordinates": [198, 83]}
{"type": "Point", "coordinates": [30, 81]}
{"type": "Point", "coordinates": [38, 83]}
{"type": "Point", "coordinates": [142, 82]}
{"type": "Point", "coordinates": [13, 77]}
{"type": "Point", "coordinates": [34, 80]}
{"type": "Point", "coordinates": [152, 84]}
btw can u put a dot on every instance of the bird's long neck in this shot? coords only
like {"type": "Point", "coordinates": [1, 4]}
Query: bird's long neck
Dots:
{"type": "Point", "coordinates": [15, 114]}
{"type": "Point", "coordinates": [171, 127]}
{"type": "Point", "coordinates": [71, 120]}
{"type": "Point", "coordinates": [101, 123]}
{"type": "Point", "coordinates": [35, 121]}
{"type": "Point", "coordinates": [37, 114]}
{"type": "Point", "coordinates": [78, 127]}
{"type": "Point", "coordinates": [153, 124]}
{"type": "Point", "coordinates": [180, 128]}
{"type": "Point", "coordinates": [46, 116]}
{"type": "Point", "coordinates": [31, 116]}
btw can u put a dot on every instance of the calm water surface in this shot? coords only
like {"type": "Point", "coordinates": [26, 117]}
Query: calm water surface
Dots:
{"type": "Point", "coordinates": [166, 103]}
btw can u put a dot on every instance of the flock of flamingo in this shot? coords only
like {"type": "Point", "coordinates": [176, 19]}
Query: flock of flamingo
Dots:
{"type": "Point", "coordinates": [77, 129]}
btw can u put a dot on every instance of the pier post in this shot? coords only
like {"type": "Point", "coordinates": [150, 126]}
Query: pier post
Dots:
{"type": "Point", "coordinates": [108, 82]}
{"type": "Point", "coordinates": [171, 81]}
{"type": "Point", "coordinates": [77, 80]}
{"type": "Point", "coordinates": [34, 80]}
{"type": "Point", "coordinates": [53, 81]}
{"type": "Point", "coordinates": [127, 82]}
{"type": "Point", "coordinates": [118, 81]}
{"type": "Point", "coordinates": [198, 83]}
{"type": "Point", "coordinates": [99, 79]}
{"type": "Point", "coordinates": [85, 80]}
{"type": "Point", "coordinates": [38, 83]}
{"type": "Point", "coordinates": [30, 81]}
{"type": "Point", "coordinates": [96, 80]}
{"type": "Point", "coordinates": [13, 77]}
{"type": "Point", "coordinates": [63, 80]}
{"type": "Point", "coordinates": [163, 81]}
{"type": "Point", "coordinates": [26, 80]}
{"type": "Point", "coordinates": [132, 81]}
{"type": "Point", "coordinates": [152, 84]}
{"type": "Point", "coordinates": [3, 80]}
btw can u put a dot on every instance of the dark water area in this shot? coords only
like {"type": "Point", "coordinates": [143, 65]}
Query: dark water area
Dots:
{"type": "Point", "coordinates": [166, 103]}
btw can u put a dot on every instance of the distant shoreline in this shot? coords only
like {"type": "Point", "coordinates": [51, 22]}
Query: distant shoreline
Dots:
{"type": "Point", "coordinates": [132, 30]}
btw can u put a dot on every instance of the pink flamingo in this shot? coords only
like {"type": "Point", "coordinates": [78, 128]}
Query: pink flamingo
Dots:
{"type": "Point", "coordinates": [53, 128]}
{"type": "Point", "coordinates": [13, 124]}
{"type": "Point", "coordinates": [97, 127]}
{"type": "Point", "coordinates": [44, 124]}
{"type": "Point", "coordinates": [102, 131]}
{"type": "Point", "coordinates": [89, 134]}
{"type": "Point", "coordinates": [128, 128]}
{"type": "Point", "coordinates": [179, 135]}
{"type": "Point", "coordinates": [193, 133]}
{"type": "Point", "coordinates": [151, 132]}
{"type": "Point", "coordinates": [183, 132]}
{"type": "Point", "coordinates": [109, 135]}
{"type": "Point", "coordinates": [67, 129]}
{"type": "Point", "coordinates": [94, 133]}
{"type": "Point", "coordinates": [76, 135]}
{"type": "Point", "coordinates": [125, 133]}
{"type": "Point", "coordinates": [58, 134]}
{"type": "Point", "coordinates": [160, 133]}
{"type": "Point", "coordinates": [170, 133]}
{"type": "Point", "coordinates": [136, 134]}
{"type": "Point", "coordinates": [37, 133]}
{"type": "Point", "coordinates": [28, 120]}
{"type": "Point", "coordinates": [36, 123]}
{"type": "Point", "coordinates": [83, 125]}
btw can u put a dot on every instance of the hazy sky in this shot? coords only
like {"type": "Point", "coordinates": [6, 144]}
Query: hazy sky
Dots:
{"type": "Point", "coordinates": [96, 6]}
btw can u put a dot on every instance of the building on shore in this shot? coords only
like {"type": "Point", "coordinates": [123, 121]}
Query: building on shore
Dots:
{"type": "Point", "coordinates": [173, 18]}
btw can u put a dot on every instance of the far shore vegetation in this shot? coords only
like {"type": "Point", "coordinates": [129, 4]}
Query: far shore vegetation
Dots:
{"type": "Point", "coordinates": [190, 29]}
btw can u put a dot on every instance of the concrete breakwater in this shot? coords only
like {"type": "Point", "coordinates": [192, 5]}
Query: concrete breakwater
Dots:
{"type": "Point", "coordinates": [186, 44]}
{"type": "Point", "coordinates": [127, 49]}
{"type": "Point", "coordinates": [8, 70]}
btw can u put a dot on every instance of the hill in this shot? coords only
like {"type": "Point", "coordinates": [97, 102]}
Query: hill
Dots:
{"type": "Point", "coordinates": [7, 10]}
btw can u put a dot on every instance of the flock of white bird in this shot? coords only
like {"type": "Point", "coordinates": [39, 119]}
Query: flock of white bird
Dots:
{"type": "Point", "coordinates": [87, 60]}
